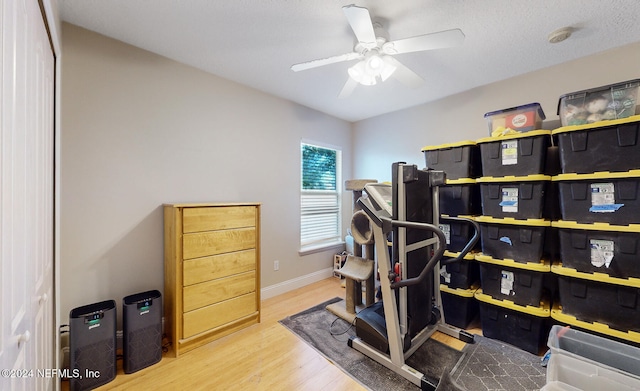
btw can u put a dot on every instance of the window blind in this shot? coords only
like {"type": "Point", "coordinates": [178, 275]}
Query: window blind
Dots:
{"type": "Point", "coordinates": [319, 200]}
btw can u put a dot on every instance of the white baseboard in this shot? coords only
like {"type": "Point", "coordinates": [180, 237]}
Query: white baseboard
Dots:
{"type": "Point", "coordinates": [299, 282]}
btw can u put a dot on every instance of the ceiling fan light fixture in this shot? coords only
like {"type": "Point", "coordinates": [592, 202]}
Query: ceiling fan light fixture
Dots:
{"type": "Point", "coordinates": [368, 71]}
{"type": "Point", "coordinates": [374, 64]}
{"type": "Point", "coordinates": [360, 74]}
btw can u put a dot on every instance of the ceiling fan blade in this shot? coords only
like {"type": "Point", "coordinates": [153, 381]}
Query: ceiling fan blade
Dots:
{"type": "Point", "coordinates": [403, 74]}
{"type": "Point", "coordinates": [325, 61]}
{"type": "Point", "coordinates": [348, 88]}
{"type": "Point", "coordinates": [439, 40]}
{"type": "Point", "coordinates": [360, 22]}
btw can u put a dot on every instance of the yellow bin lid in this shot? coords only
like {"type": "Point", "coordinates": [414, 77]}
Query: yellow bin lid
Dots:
{"type": "Point", "coordinates": [467, 257]}
{"type": "Point", "coordinates": [464, 143]}
{"type": "Point", "coordinates": [633, 228]}
{"type": "Point", "coordinates": [542, 266]}
{"type": "Point", "coordinates": [511, 136]}
{"type": "Point", "coordinates": [544, 311]}
{"type": "Point", "coordinates": [512, 221]}
{"type": "Point", "coordinates": [596, 175]}
{"type": "Point", "coordinates": [511, 178]}
{"type": "Point", "coordinates": [458, 291]}
{"type": "Point", "coordinates": [557, 268]}
{"type": "Point", "coordinates": [461, 181]}
{"type": "Point", "coordinates": [556, 313]}
{"type": "Point", "coordinates": [596, 125]}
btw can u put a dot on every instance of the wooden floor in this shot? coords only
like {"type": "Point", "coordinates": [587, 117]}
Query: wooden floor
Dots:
{"type": "Point", "coordinates": [265, 356]}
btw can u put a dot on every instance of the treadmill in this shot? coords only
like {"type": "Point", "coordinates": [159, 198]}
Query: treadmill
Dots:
{"type": "Point", "coordinates": [406, 213]}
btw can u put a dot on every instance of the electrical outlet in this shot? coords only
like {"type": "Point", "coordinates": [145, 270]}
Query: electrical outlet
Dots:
{"type": "Point", "coordinates": [276, 265]}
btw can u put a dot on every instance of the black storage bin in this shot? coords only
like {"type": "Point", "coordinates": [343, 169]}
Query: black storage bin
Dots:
{"type": "Point", "coordinates": [521, 283]}
{"type": "Point", "coordinates": [459, 305]}
{"type": "Point", "coordinates": [142, 330]}
{"type": "Point", "coordinates": [600, 197]}
{"type": "Point", "coordinates": [617, 306]}
{"type": "Point", "coordinates": [601, 146]}
{"type": "Point", "coordinates": [592, 248]}
{"type": "Point", "coordinates": [460, 197]}
{"type": "Point", "coordinates": [457, 160]}
{"type": "Point", "coordinates": [459, 275]}
{"type": "Point", "coordinates": [515, 197]}
{"type": "Point", "coordinates": [520, 240]}
{"type": "Point", "coordinates": [518, 154]}
{"type": "Point", "coordinates": [524, 327]}
{"type": "Point", "coordinates": [92, 345]}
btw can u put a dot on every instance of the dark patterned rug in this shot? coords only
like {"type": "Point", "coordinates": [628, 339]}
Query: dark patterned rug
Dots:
{"type": "Point", "coordinates": [492, 365]}
{"type": "Point", "coordinates": [486, 365]}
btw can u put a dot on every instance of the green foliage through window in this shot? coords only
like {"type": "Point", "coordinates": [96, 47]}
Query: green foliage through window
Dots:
{"type": "Point", "coordinates": [318, 168]}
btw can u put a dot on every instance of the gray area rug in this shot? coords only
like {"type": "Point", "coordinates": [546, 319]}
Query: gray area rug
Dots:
{"type": "Point", "coordinates": [485, 365]}
{"type": "Point", "coordinates": [328, 334]}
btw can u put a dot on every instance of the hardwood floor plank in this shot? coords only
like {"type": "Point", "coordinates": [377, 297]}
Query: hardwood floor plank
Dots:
{"type": "Point", "coordinates": [265, 356]}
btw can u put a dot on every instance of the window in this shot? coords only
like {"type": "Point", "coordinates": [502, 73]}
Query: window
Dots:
{"type": "Point", "coordinates": [320, 222]}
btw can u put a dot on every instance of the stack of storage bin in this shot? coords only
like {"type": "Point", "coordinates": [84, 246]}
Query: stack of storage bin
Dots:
{"type": "Point", "coordinates": [459, 197]}
{"type": "Point", "coordinates": [513, 268]}
{"type": "Point", "coordinates": [599, 273]}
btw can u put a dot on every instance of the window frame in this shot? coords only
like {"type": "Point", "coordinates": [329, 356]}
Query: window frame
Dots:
{"type": "Point", "coordinates": [327, 242]}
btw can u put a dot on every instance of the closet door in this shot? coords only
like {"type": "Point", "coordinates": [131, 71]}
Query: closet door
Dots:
{"type": "Point", "coordinates": [26, 198]}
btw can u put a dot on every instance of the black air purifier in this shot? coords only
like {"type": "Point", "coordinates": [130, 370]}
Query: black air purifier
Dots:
{"type": "Point", "coordinates": [92, 345]}
{"type": "Point", "coordinates": [142, 330]}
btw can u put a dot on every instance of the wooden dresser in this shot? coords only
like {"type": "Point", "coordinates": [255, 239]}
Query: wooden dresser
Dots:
{"type": "Point", "coordinates": [211, 271]}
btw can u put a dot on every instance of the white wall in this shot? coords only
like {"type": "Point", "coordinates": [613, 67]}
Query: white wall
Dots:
{"type": "Point", "coordinates": [401, 135]}
{"type": "Point", "coordinates": [139, 130]}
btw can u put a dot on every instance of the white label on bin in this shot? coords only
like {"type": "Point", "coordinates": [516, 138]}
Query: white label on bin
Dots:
{"type": "Point", "coordinates": [446, 276]}
{"type": "Point", "coordinates": [601, 252]}
{"type": "Point", "coordinates": [506, 283]}
{"type": "Point", "coordinates": [603, 198]}
{"type": "Point", "coordinates": [509, 152]}
{"type": "Point", "coordinates": [509, 202]}
{"type": "Point", "coordinates": [446, 230]}
{"type": "Point", "coordinates": [519, 120]}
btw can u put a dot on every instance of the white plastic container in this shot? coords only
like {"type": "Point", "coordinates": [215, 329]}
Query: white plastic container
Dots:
{"type": "Point", "coordinates": [608, 102]}
{"type": "Point", "coordinates": [588, 362]}
{"type": "Point", "coordinates": [558, 386]}
{"type": "Point", "coordinates": [520, 118]}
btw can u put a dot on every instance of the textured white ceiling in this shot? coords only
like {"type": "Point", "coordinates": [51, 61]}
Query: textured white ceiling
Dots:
{"type": "Point", "coordinates": [254, 42]}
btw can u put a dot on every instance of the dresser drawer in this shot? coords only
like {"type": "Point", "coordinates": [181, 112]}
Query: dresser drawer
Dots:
{"type": "Point", "coordinates": [215, 291]}
{"type": "Point", "coordinates": [209, 268]}
{"type": "Point", "coordinates": [211, 219]}
{"type": "Point", "coordinates": [216, 315]}
{"type": "Point", "coordinates": [202, 244]}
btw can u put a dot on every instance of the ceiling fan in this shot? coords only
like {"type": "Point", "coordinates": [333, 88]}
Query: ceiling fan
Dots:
{"type": "Point", "coordinates": [375, 53]}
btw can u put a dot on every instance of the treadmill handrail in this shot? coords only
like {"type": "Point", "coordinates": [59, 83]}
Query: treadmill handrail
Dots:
{"type": "Point", "coordinates": [433, 261]}
{"type": "Point", "coordinates": [384, 221]}
{"type": "Point", "coordinates": [470, 244]}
